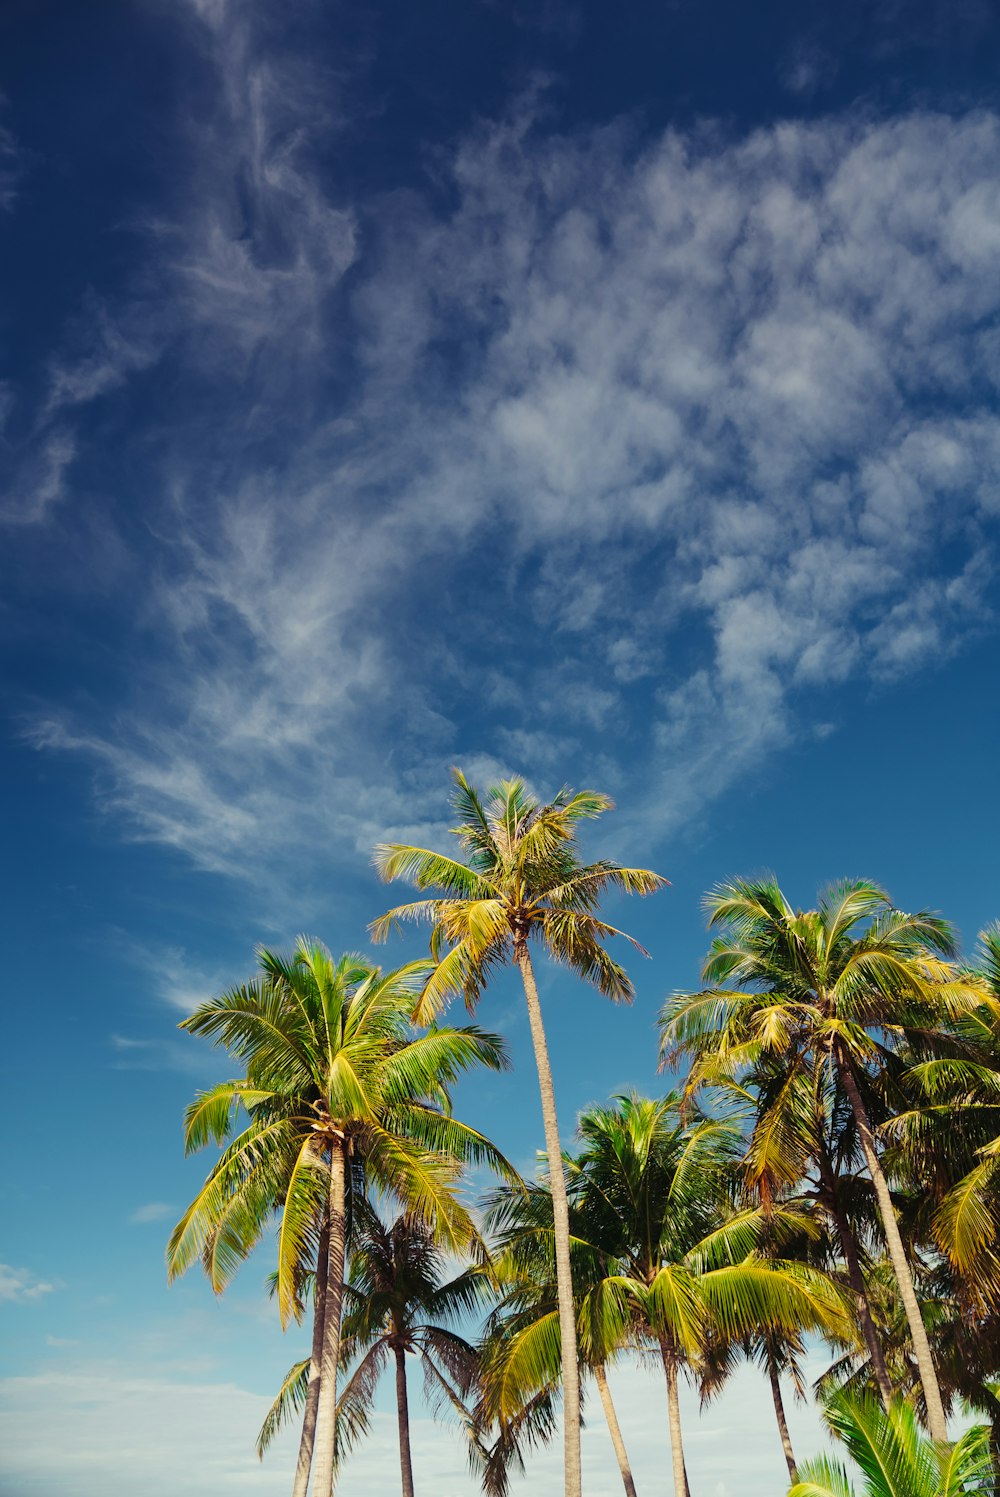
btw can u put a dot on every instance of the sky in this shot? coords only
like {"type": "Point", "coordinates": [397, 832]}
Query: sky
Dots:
{"type": "Point", "coordinates": [604, 395]}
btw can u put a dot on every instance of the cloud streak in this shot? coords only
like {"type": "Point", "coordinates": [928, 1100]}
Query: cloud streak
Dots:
{"type": "Point", "coordinates": [669, 436]}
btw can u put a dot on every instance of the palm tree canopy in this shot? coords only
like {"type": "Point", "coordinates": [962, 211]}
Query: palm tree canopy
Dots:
{"type": "Point", "coordinates": [521, 879]}
{"type": "Point", "coordinates": [895, 1457]}
{"type": "Point", "coordinates": [329, 1054]}
{"type": "Point", "coordinates": [786, 987]}
{"type": "Point", "coordinates": [657, 1249]}
{"type": "Point", "coordinates": [951, 1136]}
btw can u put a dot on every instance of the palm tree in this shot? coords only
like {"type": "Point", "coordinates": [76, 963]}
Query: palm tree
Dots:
{"type": "Point", "coordinates": [521, 1357]}
{"type": "Point", "coordinates": [400, 1302]}
{"type": "Point", "coordinates": [659, 1259]}
{"type": "Point", "coordinates": [338, 1092]}
{"type": "Point", "coordinates": [685, 1267]}
{"type": "Point", "coordinates": [397, 1303]}
{"type": "Point", "coordinates": [950, 1139]}
{"type": "Point", "coordinates": [523, 880]}
{"type": "Point", "coordinates": [895, 1458]}
{"type": "Point", "coordinates": [830, 994]}
{"type": "Point", "coordinates": [798, 1237]}
{"type": "Point", "coordinates": [965, 1344]}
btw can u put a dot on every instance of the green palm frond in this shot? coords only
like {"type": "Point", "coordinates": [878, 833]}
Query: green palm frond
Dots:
{"type": "Point", "coordinates": [823, 1477]}
{"type": "Point", "coordinates": [289, 1402]}
{"type": "Point", "coordinates": [523, 876]}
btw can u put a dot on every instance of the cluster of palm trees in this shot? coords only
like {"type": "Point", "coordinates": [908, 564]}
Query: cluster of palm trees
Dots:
{"type": "Point", "coordinates": [826, 1168]}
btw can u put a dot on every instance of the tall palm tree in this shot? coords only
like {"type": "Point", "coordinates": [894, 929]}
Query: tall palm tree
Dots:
{"type": "Point", "coordinates": [660, 1258]}
{"type": "Point", "coordinates": [337, 1091]}
{"type": "Point", "coordinates": [400, 1302]}
{"type": "Point", "coordinates": [523, 881]}
{"type": "Point", "coordinates": [521, 1359]}
{"type": "Point", "coordinates": [951, 1137]}
{"type": "Point", "coordinates": [793, 1233]}
{"type": "Point", "coordinates": [685, 1266]}
{"type": "Point", "coordinates": [830, 994]}
{"type": "Point", "coordinates": [894, 1456]}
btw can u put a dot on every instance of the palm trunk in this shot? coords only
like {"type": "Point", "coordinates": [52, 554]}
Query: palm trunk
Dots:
{"type": "Point", "coordinates": [403, 1417]}
{"type": "Point", "coordinates": [856, 1279]}
{"type": "Point", "coordinates": [302, 1469]}
{"type": "Point", "coordinates": [614, 1429]}
{"type": "Point", "coordinates": [326, 1420]}
{"type": "Point", "coordinates": [936, 1423]}
{"type": "Point", "coordinates": [995, 1448]}
{"type": "Point", "coordinates": [669, 1357]}
{"type": "Point", "coordinates": [560, 1214]}
{"type": "Point", "coordinates": [779, 1414]}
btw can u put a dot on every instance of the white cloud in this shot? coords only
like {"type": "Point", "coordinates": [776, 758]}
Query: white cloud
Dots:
{"type": "Point", "coordinates": [714, 422]}
{"type": "Point", "coordinates": [38, 480]}
{"type": "Point", "coordinates": [153, 1211]}
{"type": "Point", "coordinates": [20, 1285]}
{"type": "Point", "coordinates": [120, 1433]}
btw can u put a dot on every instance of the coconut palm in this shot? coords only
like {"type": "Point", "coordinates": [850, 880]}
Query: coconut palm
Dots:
{"type": "Point", "coordinates": [687, 1266]}
{"type": "Point", "coordinates": [778, 1353]}
{"type": "Point", "coordinates": [894, 1456]}
{"type": "Point", "coordinates": [950, 1139]}
{"type": "Point", "coordinates": [661, 1258]}
{"type": "Point", "coordinates": [965, 1344]}
{"type": "Point", "coordinates": [400, 1302]}
{"type": "Point", "coordinates": [522, 881]}
{"type": "Point", "coordinates": [830, 994]}
{"type": "Point", "coordinates": [338, 1092]}
{"type": "Point", "coordinates": [397, 1302]}
{"type": "Point", "coordinates": [521, 1356]}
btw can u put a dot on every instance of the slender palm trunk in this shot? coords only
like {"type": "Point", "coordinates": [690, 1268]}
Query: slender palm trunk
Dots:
{"type": "Point", "coordinates": [326, 1414]}
{"type": "Point", "coordinates": [995, 1448]}
{"type": "Point", "coordinates": [669, 1357]}
{"type": "Point", "coordinates": [856, 1279]}
{"type": "Point", "coordinates": [936, 1423]}
{"type": "Point", "coordinates": [560, 1214]}
{"type": "Point", "coordinates": [403, 1418]}
{"type": "Point", "coordinates": [614, 1429]}
{"type": "Point", "coordinates": [779, 1414]}
{"type": "Point", "coordinates": [301, 1484]}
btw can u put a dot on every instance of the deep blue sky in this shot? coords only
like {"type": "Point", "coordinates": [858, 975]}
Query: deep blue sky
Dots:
{"type": "Point", "coordinates": [603, 394]}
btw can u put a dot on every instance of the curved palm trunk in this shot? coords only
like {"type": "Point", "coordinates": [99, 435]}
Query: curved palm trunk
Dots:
{"type": "Point", "coordinates": [674, 1418]}
{"type": "Point", "coordinates": [856, 1279]}
{"type": "Point", "coordinates": [779, 1414]}
{"type": "Point", "coordinates": [614, 1429]}
{"type": "Point", "coordinates": [936, 1422]}
{"type": "Point", "coordinates": [403, 1418]}
{"type": "Point", "coordinates": [302, 1469]}
{"type": "Point", "coordinates": [560, 1214]}
{"type": "Point", "coordinates": [326, 1421]}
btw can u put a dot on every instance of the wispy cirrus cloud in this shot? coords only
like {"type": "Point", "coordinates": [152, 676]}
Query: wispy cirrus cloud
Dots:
{"type": "Point", "coordinates": [660, 435]}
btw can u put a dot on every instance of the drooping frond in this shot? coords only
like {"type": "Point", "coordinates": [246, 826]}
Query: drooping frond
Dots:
{"type": "Point", "coordinates": [289, 1402]}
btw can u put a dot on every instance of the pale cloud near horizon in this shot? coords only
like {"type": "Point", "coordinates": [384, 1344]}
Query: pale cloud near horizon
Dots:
{"type": "Point", "coordinates": [125, 1429]}
{"type": "Point", "coordinates": [713, 433]}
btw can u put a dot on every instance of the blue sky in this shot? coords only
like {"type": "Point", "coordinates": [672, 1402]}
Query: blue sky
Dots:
{"type": "Point", "coordinates": [606, 397]}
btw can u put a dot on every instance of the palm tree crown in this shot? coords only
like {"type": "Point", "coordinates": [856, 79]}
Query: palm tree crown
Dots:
{"type": "Point", "coordinates": [338, 1091]}
{"type": "Point", "coordinates": [823, 1000]}
{"type": "Point", "coordinates": [523, 880]}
